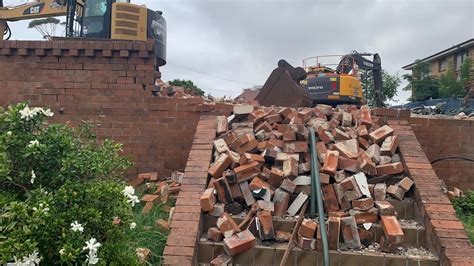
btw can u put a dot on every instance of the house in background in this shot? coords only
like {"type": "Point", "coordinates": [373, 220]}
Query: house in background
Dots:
{"type": "Point", "coordinates": [248, 95]}
{"type": "Point", "coordinates": [453, 56]}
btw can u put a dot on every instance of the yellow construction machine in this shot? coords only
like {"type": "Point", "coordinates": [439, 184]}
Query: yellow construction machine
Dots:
{"type": "Point", "coordinates": [105, 19]}
{"type": "Point", "coordinates": [319, 83]}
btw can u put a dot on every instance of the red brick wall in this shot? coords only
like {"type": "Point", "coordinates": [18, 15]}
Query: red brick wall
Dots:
{"type": "Point", "coordinates": [448, 137]}
{"type": "Point", "coordinates": [441, 138]}
{"type": "Point", "coordinates": [110, 83]}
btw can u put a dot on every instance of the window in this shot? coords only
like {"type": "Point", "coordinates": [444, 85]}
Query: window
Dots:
{"type": "Point", "coordinates": [460, 58]}
{"type": "Point", "coordinates": [443, 64]}
{"type": "Point", "coordinates": [95, 8]}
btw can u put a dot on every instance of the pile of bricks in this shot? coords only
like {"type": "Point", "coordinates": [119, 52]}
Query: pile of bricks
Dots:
{"type": "Point", "coordinates": [157, 189]}
{"type": "Point", "coordinates": [262, 165]}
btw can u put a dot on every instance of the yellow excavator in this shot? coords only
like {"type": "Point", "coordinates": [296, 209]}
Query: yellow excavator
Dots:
{"type": "Point", "coordinates": [105, 19]}
{"type": "Point", "coordinates": [319, 83]}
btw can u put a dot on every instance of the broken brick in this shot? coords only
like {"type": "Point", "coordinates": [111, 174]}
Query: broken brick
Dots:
{"type": "Point", "coordinates": [381, 133]}
{"type": "Point", "coordinates": [243, 109]}
{"type": "Point", "coordinates": [363, 204]}
{"type": "Point", "coordinates": [227, 225]}
{"type": "Point", "coordinates": [247, 171]}
{"type": "Point", "coordinates": [348, 148]}
{"type": "Point", "coordinates": [365, 116]}
{"type": "Point", "coordinates": [389, 146]}
{"type": "Point", "coordinates": [222, 162]}
{"type": "Point", "coordinates": [305, 243]}
{"type": "Point", "coordinates": [290, 168]}
{"type": "Point", "coordinates": [307, 228]}
{"type": "Point", "coordinates": [223, 190]}
{"type": "Point", "coordinates": [406, 183]}
{"type": "Point", "coordinates": [340, 135]}
{"type": "Point", "coordinates": [220, 145]}
{"type": "Point", "coordinates": [396, 192]}
{"type": "Point", "coordinates": [330, 163]}
{"type": "Point", "coordinates": [351, 189]}
{"type": "Point", "coordinates": [222, 260]}
{"type": "Point", "coordinates": [214, 234]}
{"type": "Point", "coordinates": [282, 236]}
{"type": "Point", "coordinates": [288, 185]}
{"type": "Point", "coordinates": [295, 146]}
{"type": "Point", "coordinates": [385, 208]}
{"type": "Point", "coordinates": [347, 164]}
{"type": "Point", "coordinates": [350, 233]}
{"type": "Point", "coordinates": [265, 228]}
{"type": "Point", "coordinates": [362, 131]}
{"type": "Point", "coordinates": [239, 243]}
{"type": "Point", "coordinates": [374, 153]}
{"type": "Point", "coordinates": [246, 193]}
{"type": "Point", "coordinates": [380, 191]}
{"type": "Point", "coordinates": [208, 200]}
{"type": "Point", "coordinates": [329, 198]}
{"type": "Point", "coordinates": [218, 210]}
{"type": "Point", "coordinates": [362, 217]}
{"type": "Point", "coordinates": [297, 204]}
{"type": "Point", "coordinates": [221, 124]}
{"type": "Point", "coordinates": [389, 169]}
{"type": "Point", "coordinates": [281, 199]}
{"type": "Point", "coordinates": [149, 197]}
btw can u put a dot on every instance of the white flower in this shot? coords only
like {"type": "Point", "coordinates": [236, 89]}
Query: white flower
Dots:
{"type": "Point", "coordinates": [47, 112]}
{"type": "Point", "coordinates": [34, 209]}
{"type": "Point", "coordinates": [33, 143]}
{"type": "Point", "coordinates": [133, 225]}
{"type": "Point", "coordinates": [9, 133]}
{"type": "Point", "coordinates": [133, 199]}
{"type": "Point", "coordinates": [61, 251]}
{"type": "Point", "coordinates": [46, 209]}
{"type": "Point", "coordinates": [77, 227]}
{"type": "Point", "coordinates": [92, 245]}
{"type": "Point", "coordinates": [128, 191]}
{"type": "Point", "coordinates": [32, 259]}
{"type": "Point", "coordinates": [33, 176]}
{"type": "Point", "coordinates": [26, 113]}
{"type": "Point", "coordinates": [92, 258]}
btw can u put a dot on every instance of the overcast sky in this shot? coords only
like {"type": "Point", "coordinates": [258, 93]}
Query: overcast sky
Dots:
{"type": "Point", "coordinates": [243, 40]}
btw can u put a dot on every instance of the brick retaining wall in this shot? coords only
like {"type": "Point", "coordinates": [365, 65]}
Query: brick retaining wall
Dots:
{"type": "Point", "coordinates": [108, 82]}
{"type": "Point", "coordinates": [185, 225]}
{"type": "Point", "coordinates": [448, 137]}
{"type": "Point", "coordinates": [445, 234]}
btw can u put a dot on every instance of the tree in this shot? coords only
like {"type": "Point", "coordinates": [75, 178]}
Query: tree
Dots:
{"type": "Point", "coordinates": [389, 88]}
{"type": "Point", "coordinates": [45, 26]}
{"type": "Point", "coordinates": [422, 85]}
{"type": "Point", "coordinates": [465, 74]}
{"type": "Point", "coordinates": [187, 84]}
{"type": "Point", "coordinates": [449, 87]}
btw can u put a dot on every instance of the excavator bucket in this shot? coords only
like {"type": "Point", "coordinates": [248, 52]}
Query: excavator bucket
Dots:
{"type": "Point", "coordinates": [281, 89]}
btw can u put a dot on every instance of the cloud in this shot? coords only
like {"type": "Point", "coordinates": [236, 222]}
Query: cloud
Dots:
{"type": "Point", "coordinates": [243, 40]}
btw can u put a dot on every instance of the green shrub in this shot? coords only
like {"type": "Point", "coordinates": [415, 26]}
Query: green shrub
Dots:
{"type": "Point", "coordinates": [34, 155]}
{"type": "Point", "coordinates": [61, 201]}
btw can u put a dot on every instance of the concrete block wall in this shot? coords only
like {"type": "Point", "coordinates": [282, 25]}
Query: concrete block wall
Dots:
{"type": "Point", "coordinates": [109, 83]}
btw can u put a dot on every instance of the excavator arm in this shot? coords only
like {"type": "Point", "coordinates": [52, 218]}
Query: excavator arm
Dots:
{"type": "Point", "coordinates": [33, 10]}
{"type": "Point", "coordinates": [346, 65]}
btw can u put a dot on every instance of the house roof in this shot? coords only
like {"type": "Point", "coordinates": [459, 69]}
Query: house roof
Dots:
{"type": "Point", "coordinates": [248, 95]}
{"type": "Point", "coordinates": [443, 53]}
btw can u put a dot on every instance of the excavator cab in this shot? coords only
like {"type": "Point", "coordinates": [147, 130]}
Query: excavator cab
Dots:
{"type": "Point", "coordinates": [97, 18]}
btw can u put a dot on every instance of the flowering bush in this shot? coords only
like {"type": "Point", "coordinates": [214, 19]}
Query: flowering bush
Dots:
{"type": "Point", "coordinates": [61, 201]}
{"type": "Point", "coordinates": [32, 155]}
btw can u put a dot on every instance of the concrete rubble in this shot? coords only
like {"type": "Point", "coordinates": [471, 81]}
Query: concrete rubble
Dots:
{"type": "Point", "coordinates": [262, 167]}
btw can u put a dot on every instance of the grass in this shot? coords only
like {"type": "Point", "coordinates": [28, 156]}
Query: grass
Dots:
{"type": "Point", "coordinates": [465, 211]}
{"type": "Point", "coordinates": [147, 234]}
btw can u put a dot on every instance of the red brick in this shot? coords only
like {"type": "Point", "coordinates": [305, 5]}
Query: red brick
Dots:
{"type": "Point", "coordinates": [390, 169]}
{"type": "Point", "coordinates": [222, 162]}
{"type": "Point", "coordinates": [331, 163]}
{"type": "Point", "coordinates": [208, 200]}
{"type": "Point", "coordinates": [392, 229]}
{"type": "Point", "coordinates": [307, 228]}
{"type": "Point", "coordinates": [239, 243]}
